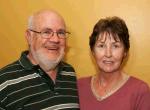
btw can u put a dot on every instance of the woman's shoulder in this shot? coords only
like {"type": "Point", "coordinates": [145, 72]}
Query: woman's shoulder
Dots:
{"type": "Point", "coordinates": [138, 83]}
{"type": "Point", "coordinates": [84, 79]}
{"type": "Point", "coordinates": [84, 82]}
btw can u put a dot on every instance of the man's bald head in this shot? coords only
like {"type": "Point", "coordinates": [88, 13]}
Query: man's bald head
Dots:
{"type": "Point", "coordinates": [43, 16]}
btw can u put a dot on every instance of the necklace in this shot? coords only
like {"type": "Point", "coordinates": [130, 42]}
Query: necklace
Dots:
{"type": "Point", "coordinates": [111, 90]}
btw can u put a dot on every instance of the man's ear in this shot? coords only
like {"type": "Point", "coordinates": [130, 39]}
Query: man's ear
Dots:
{"type": "Point", "coordinates": [28, 36]}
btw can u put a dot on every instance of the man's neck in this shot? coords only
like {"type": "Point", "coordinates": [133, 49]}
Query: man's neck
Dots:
{"type": "Point", "coordinates": [30, 57]}
{"type": "Point", "coordinates": [52, 74]}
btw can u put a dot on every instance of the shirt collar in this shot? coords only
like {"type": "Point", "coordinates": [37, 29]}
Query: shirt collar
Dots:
{"type": "Point", "coordinates": [25, 62]}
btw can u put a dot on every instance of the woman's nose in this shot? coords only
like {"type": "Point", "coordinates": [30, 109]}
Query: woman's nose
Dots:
{"type": "Point", "coordinates": [108, 52]}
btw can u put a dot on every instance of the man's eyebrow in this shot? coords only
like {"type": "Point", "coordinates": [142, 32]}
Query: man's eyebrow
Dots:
{"type": "Point", "coordinates": [47, 29]}
{"type": "Point", "coordinates": [61, 30]}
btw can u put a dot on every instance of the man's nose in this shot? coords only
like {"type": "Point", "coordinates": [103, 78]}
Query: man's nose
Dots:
{"type": "Point", "coordinates": [54, 37]}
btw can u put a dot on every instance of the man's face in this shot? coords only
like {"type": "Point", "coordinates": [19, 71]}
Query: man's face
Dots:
{"type": "Point", "coordinates": [46, 51]}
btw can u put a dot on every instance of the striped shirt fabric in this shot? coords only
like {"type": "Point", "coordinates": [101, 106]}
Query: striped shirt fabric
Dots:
{"type": "Point", "coordinates": [24, 86]}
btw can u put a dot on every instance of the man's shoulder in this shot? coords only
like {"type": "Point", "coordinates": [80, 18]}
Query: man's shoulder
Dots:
{"type": "Point", "coordinates": [67, 67]}
{"type": "Point", "coordinates": [67, 70]}
{"type": "Point", "coordinates": [65, 63]}
{"type": "Point", "coordinates": [10, 67]}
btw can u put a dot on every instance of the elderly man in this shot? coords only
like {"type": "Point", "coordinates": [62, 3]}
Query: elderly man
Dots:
{"type": "Point", "coordinates": [39, 79]}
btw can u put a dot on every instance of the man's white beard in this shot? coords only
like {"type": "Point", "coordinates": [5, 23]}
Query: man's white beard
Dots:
{"type": "Point", "coordinates": [44, 62]}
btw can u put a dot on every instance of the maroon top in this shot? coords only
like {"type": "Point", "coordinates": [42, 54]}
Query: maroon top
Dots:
{"type": "Point", "coordinates": [133, 95]}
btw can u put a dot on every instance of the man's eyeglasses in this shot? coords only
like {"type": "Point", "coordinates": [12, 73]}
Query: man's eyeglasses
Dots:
{"type": "Point", "coordinates": [61, 34]}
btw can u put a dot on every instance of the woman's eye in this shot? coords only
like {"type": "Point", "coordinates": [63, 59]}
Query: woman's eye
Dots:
{"type": "Point", "coordinates": [116, 46]}
{"type": "Point", "coordinates": [101, 45]}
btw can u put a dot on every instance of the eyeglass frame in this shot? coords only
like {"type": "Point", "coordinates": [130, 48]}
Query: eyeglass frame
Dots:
{"type": "Point", "coordinates": [52, 33]}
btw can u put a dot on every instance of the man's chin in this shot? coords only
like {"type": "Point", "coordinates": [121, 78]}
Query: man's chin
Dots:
{"type": "Point", "coordinates": [49, 65]}
{"type": "Point", "coordinates": [48, 61]}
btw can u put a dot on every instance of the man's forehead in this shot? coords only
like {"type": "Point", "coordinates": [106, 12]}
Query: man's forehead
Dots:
{"type": "Point", "coordinates": [47, 12]}
{"type": "Point", "coordinates": [46, 18]}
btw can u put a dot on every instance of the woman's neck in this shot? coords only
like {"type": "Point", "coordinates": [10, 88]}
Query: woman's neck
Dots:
{"type": "Point", "coordinates": [107, 78]}
{"type": "Point", "coordinates": [103, 85]}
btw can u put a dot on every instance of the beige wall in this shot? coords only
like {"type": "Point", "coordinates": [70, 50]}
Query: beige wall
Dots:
{"type": "Point", "coordinates": [80, 16]}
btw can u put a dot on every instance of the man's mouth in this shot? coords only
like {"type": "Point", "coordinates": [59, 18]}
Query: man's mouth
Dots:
{"type": "Point", "coordinates": [52, 47]}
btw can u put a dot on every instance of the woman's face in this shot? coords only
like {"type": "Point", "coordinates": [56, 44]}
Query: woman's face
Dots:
{"type": "Point", "coordinates": [108, 53]}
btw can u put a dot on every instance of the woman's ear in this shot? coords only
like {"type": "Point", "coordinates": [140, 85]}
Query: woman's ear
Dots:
{"type": "Point", "coordinates": [93, 53]}
{"type": "Point", "coordinates": [125, 54]}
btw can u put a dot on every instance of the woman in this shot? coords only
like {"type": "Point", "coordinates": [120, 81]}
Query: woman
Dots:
{"type": "Point", "coordinates": [111, 88]}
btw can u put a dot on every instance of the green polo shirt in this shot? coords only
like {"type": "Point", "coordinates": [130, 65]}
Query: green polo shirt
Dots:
{"type": "Point", "coordinates": [24, 86]}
